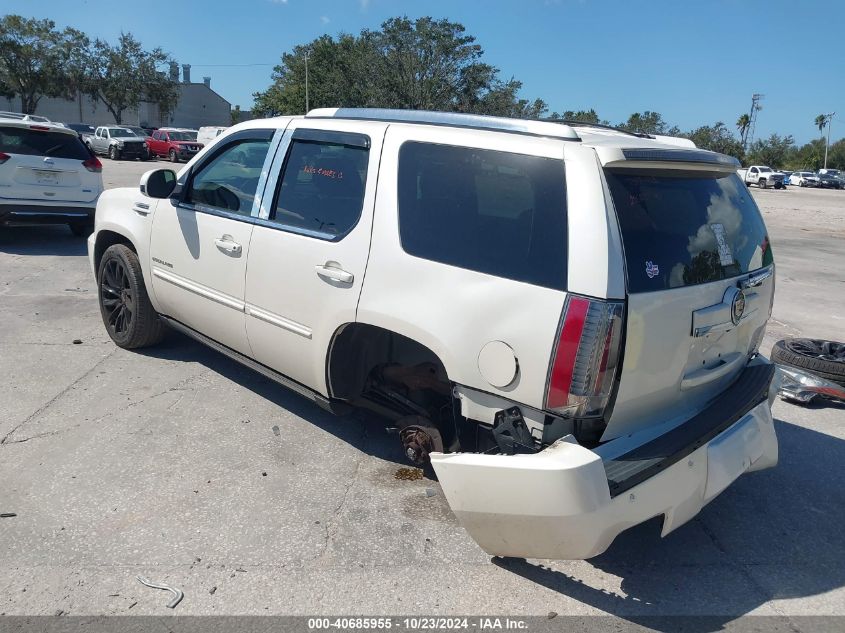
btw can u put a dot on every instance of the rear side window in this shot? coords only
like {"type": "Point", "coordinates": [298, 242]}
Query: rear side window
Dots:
{"type": "Point", "coordinates": [322, 189]}
{"type": "Point", "coordinates": [16, 140]}
{"type": "Point", "coordinates": [682, 231]}
{"type": "Point", "coordinates": [493, 212]}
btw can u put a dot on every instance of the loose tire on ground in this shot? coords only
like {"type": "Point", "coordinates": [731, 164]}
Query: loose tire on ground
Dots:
{"type": "Point", "coordinates": [825, 359]}
{"type": "Point", "coordinates": [128, 315]}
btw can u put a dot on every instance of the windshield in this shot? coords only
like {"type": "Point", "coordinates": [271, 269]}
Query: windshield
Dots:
{"type": "Point", "coordinates": [686, 230]}
{"type": "Point", "coordinates": [119, 132]}
{"type": "Point", "coordinates": [138, 131]}
{"type": "Point", "coordinates": [765, 169]}
{"type": "Point", "coordinates": [181, 136]}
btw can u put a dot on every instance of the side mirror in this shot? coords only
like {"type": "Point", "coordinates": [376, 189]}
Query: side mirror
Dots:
{"type": "Point", "coordinates": [158, 183]}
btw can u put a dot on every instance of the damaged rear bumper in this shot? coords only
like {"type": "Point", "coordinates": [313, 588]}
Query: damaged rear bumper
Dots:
{"type": "Point", "coordinates": [566, 502]}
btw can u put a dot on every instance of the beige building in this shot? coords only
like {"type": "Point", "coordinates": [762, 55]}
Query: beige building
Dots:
{"type": "Point", "coordinates": [198, 105]}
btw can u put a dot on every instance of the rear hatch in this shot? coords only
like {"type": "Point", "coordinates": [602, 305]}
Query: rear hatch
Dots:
{"type": "Point", "coordinates": [700, 284]}
{"type": "Point", "coordinates": [44, 163]}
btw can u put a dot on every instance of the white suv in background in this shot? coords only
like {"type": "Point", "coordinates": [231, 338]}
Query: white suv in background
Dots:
{"type": "Point", "coordinates": [564, 320]}
{"type": "Point", "coordinates": [47, 175]}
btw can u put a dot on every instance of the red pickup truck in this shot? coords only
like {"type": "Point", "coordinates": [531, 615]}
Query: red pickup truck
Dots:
{"type": "Point", "coordinates": [176, 145]}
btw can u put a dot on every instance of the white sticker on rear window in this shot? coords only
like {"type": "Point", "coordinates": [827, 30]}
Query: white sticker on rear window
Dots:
{"type": "Point", "coordinates": [726, 257]}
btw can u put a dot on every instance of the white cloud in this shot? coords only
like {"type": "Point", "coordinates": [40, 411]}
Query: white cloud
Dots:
{"type": "Point", "coordinates": [324, 19]}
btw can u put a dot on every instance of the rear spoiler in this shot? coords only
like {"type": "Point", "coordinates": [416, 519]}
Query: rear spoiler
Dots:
{"type": "Point", "coordinates": [665, 158]}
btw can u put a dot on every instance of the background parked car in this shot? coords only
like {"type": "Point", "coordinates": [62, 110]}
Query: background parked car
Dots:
{"type": "Point", "coordinates": [176, 145]}
{"type": "Point", "coordinates": [143, 133]}
{"type": "Point", "coordinates": [804, 179]}
{"type": "Point", "coordinates": [208, 133]}
{"type": "Point", "coordinates": [81, 128]}
{"type": "Point", "coordinates": [763, 177]}
{"type": "Point", "coordinates": [47, 175]}
{"type": "Point", "coordinates": [827, 181]}
{"type": "Point", "coordinates": [118, 143]}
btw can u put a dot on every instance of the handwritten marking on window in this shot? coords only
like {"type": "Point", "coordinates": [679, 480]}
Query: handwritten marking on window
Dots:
{"type": "Point", "coordinates": [334, 174]}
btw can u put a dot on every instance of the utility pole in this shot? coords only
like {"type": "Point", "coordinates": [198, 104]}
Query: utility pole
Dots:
{"type": "Point", "coordinates": [829, 118]}
{"type": "Point", "coordinates": [306, 83]}
{"type": "Point", "coordinates": [752, 120]}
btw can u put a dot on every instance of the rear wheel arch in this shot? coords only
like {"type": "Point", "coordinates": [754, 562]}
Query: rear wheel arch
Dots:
{"type": "Point", "coordinates": [357, 348]}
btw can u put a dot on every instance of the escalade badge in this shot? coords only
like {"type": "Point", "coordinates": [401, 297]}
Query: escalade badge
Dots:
{"type": "Point", "coordinates": [737, 307]}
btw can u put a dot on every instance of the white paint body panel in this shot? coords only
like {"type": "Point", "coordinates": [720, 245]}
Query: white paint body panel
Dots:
{"type": "Point", "coordinates": [453, 311]}
{"type": "Point", "coordinates": [291, 312]}
{"type": "Point", "coordinates": [556, 503]}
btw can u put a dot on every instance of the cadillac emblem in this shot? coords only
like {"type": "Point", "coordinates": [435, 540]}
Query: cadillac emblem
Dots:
{"type": "Point", "coordinates": [737, 307]}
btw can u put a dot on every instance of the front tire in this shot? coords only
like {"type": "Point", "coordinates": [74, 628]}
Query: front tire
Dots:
{"type": "Point", "coordinates": [762, 183]}
{"type": "Point", "coordinates": [125, 306]}
{"type": "Point", "coordinates": [113, 153]}
{"type": "Point", "coordinates": [173, 157]}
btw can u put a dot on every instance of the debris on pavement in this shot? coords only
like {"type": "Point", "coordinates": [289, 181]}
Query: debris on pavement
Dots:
{"type": "Point", "coordinates": [77, 341]}
{"type": "Point", "coordinates": [276, 431]}
{"type": "Point", "coordinates": [430, 492]}
{"type": "Point", "coordinates": [177, 593]}
{"type": "Point", "coordinates": [7, 515]}
{"type": "Point", "coordinates": [212, 590]}
{"type": "Point", "coordinates": [408, 474]}
{"type": "Point", "coordinates": [801, 386]}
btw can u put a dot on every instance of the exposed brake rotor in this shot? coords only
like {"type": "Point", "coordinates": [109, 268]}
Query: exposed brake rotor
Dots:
{"type": "Point", "coordinates": [419, 438]}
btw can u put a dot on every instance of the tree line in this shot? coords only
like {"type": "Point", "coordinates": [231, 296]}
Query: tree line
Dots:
{"type": "Point", "coordinates": [38, 60]}
{"type": "Point", "coordinates": [433, 64]}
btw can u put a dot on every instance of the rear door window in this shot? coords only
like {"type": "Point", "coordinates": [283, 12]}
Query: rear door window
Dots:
{"type": "Point", "coordinates": [493, 212]}
{"type": "Point", "coordinates": [686, 230]}
{"type": "Point", "coordinates": [29, 142]}
{"type": "Point", "coordinates": [321, 193]}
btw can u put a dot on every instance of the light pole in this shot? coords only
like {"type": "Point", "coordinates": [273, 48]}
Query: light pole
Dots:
{"type": "Point", "coordinates": [306, 85]}
{"type": "Point", "coordinates": [829, 118]}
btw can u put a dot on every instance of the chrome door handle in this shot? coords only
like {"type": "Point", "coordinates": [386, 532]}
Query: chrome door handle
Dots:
{"type": "Point", "coordinates": [326, 271]}
{"type": "Point", "coordinates": [228, 245]}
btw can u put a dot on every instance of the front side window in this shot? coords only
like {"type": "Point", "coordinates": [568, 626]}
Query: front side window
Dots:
{"type": "Point", "coordinates": [229, 180]}
{"type": "Point", "coordinates": [682, 230]}
{"type": "Point", "coordinates": [322, 189]}
{"type": "Point", "coordinates": [489, 211]}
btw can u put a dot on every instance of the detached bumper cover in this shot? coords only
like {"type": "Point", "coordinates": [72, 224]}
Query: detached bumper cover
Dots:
{"type": "Point", "coordinates": [558, 503]}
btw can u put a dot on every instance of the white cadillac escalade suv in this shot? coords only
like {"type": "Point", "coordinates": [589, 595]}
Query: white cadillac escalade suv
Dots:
{"type": "Point", "coordinates": [563, 319]}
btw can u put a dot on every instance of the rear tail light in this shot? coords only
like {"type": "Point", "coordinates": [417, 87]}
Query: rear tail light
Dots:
{"type": "Point", "coordinates": [585, 357]}
{"type": "Point", "coordinates": [4, 157]}
{"type": "Point", "coordinates": [93, 164]}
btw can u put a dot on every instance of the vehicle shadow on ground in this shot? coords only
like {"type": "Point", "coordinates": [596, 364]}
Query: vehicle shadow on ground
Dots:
{"type": "Point", "coordinates": [53, 239]}
{"type": "Point", "coordinates": [775, 534]}
{"type": "Point", "coordinates": [363, 430]}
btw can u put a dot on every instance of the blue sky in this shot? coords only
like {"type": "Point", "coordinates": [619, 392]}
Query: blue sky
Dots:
{"type": "Point", "coordinates": [694, 61]}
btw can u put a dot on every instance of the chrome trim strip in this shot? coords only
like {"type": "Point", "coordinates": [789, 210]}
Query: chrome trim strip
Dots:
{"type": "Point", "coordinates": [755, 280]}
{"type": "Point", "coordinates": [199, 289]}
{"type": "Point", "coordinates": [278, 321]}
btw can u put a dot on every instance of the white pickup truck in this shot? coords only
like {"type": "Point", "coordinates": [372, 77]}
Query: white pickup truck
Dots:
{"type": "Point", "coordinates": [117, 142]}
{"type": "Point", "coordinates": [762, 176]}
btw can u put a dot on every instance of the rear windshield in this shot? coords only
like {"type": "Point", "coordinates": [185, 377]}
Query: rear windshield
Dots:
{"type": "Point", "coordinates": [682, 231]}
{"type": "Point", "coordinates": [16, 140]}
{"type": "Point", "coordinates": [493, 212]}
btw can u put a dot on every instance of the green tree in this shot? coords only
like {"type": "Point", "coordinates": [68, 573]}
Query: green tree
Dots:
{"type": "Point", "coordinates": [773, 151]}
{"type": "Point", "coordinates": [37, 60]}
{"type": "Point", "coordinates": [420, 64]}
{"type": "Point", "coordinates": [581, 116]}
{"type": "Point", "coordinates": [647, 122]}
{"type": "Point", "coordinates": [124, 75]}
{"type": "Point", "coordinates": [717, 138]}
{"type": "Point", "coordinates": [743, 123]}
{"type": "Point", "coordinates": [821, 122]}
{"type": "Point", "coordinates": [236, 114]}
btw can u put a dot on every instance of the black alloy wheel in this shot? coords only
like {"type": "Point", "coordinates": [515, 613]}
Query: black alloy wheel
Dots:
{"type": "Point", "coordinates": [117, 298]}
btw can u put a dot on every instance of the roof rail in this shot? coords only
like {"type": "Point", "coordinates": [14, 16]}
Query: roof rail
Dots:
{"type": "Point", "coordinates": [598, 126]}
{"type": "Point", "coordinates": [452, 119]}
